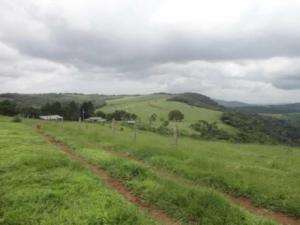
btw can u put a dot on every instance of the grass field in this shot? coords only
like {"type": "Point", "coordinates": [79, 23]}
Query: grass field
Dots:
{"type": "Point", "coordinates": [40, 185]}
{"type": "Point", "coordinates": [144, 106]}
{"type": "Point", "coordinates": [268, 175]}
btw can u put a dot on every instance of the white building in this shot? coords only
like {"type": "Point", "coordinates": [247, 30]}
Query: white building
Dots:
{"type": "Point", "coordinates": [52, 117]}
{"type": "Point", "coordinates": [96, 119]}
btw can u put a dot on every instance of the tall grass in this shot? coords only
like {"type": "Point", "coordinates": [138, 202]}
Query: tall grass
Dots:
{"type": "Point", "coordinates": [269, 175]}
{"type": "Point", "coordinates": [41, 186]}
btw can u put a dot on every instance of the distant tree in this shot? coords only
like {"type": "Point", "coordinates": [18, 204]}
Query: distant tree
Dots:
{"type": "Point", "coordinates": [87, 109]}
{"type": "Point", "coordinates": [54, 108]}
{"type": "Point", "coordinates": [30, 112]}
{"type": "Point", "coordinates": [120, 115]}
{"type": "Point", "coordinates": [100, 114]}
{"type": "Point", "coordinates": [8, 108]}
{"type": "Point", "coordinates": [71, 111]}
{"type": "Point", "coordinates": [152, 118]}
{"type": "Point", "coordinates": [175, 115]}
{"type": "Point", "coordinates": [210, 130]}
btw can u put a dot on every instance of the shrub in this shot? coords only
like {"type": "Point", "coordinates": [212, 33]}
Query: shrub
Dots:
{"type": "Point", "coordinates": [175, 115]}
{"type": "Point", "coordinates": [120, 115]}
{"type": "Point", "coordinates": [100, 114]}
{"type": "Point", "coordinates": [210, 130]}
{"type": "Point", "coordinates": [16, 119]}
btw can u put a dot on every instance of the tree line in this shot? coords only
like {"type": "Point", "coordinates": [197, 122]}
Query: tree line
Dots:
{"type": "Point", "coordinates": [70, 111]}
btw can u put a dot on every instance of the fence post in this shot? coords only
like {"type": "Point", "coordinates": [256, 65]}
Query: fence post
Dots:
{"type": "Point", "coordinates": [175, 133]}
{"type": "Point", "coordinates": [135, 132]}
{"type": "Point", "coordinates": [113, 125]}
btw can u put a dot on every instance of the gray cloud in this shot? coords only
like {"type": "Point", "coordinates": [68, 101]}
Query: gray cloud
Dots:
{"type": "Point", "coordinates": [248, 49]}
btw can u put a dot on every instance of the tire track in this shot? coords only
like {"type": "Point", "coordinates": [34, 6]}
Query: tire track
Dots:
{"type": "Point", "coordinates": [157, 214]}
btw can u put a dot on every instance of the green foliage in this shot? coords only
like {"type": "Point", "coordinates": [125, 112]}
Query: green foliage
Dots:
{"type": "Point", "coordinates": [87, 109]}
{"type": "Point", "coordinates": [152, 118]}
{"type": "Point", "coordinates": [292, 118]}
{"type": "Point", "coordinates": [121, 115]}
{"type": "Point", "coordinates": [210, 130]}
{"type": "Point", "coordinates": [38, 100]}
{"type": "Point", "coordinates": [30, 112]}
{"type": "Point", "coordinates": [175, 115]}
{"type": "Point", "coordinates": [146, 105]}
{"type": "Point", "coordinates": [272, 109]}
{"type": "Point", "coordinates": [8, 108]}
{"type": "Point", "coordinates": [263, 129]}
{"type": "Point", "coordinates": [71, 111]}
{"type": "Point", "coordinates": [100, 114]}
{"type": "Point", "coordinates": [52, 109]}
{"type": "Point", "coordinates": [195, 99]}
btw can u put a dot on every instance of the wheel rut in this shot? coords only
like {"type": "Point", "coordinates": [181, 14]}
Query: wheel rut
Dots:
{"type": "Point", "coordinates": [244, 202]}
{"type": "Point", "coordinates": [157, 214]}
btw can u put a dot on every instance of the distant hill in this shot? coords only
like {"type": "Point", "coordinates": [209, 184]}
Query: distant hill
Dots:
{"type": "Point", "coordinates": [146, 105]}
{"type": "Point", "coordinates": [195, 99]}
{"type": "Point", "coordinates": [272, 109]}
{"type": "Point", "coordinates": [232, 104]}
{"type": "Point", "coordinates": [38, 100]}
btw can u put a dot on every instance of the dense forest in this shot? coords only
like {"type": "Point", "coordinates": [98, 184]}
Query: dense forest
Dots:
{"type": "Point", "coordinates": [195, 99]}
{"type": "Point", "coordinates": [37, 100]}
{"type": "Point", "coordinates": [264, 129]}
{"type": "Point", "coordinates": [271, 109]}
{"type": "Point", "coordinates": [70, 110]}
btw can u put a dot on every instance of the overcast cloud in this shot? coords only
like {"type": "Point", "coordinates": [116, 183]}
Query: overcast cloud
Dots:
{"type": "Point", "coordinates": [246, 50]}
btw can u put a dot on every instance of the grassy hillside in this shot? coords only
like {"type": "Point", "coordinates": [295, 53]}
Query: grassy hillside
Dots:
{"type": "Point", "coordinates": [40, 185]}
{"type": "Point", "coordinates": [268, 175]}
{"type": "Point", "coordinates": [146, 105]}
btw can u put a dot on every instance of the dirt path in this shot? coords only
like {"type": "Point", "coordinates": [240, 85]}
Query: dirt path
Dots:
{"type": "Point", "coordinates": [156, 214]}
{"type": "Point", "coordinates": [246, 203]}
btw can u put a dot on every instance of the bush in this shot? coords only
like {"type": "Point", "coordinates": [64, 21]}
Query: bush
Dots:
{"type": "Point", "coordinates": [210, 130]}
{"type": "Point", "coordinates": [100, 114]}
{"type": "Point", "coordinates": [120, 115]}
{"type": "Point", "coordinates": [16, 119]}
{"type": "Point", "coordinates": [176, 115]}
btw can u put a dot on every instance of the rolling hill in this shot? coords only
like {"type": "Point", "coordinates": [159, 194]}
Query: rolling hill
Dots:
{"type": "Point", "coordinates": [162, 104]}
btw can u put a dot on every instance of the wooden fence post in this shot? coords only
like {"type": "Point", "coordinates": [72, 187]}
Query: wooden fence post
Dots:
{"type": "Point", "coordinates": [113, 126]}
{"type": "Point", "coordinates": [135, 132]}
{"type": "Point", "coordinates": [175, 133]}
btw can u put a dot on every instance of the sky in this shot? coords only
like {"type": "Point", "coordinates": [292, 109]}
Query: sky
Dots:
{"type": "Point", "coordinates": [236, 50]}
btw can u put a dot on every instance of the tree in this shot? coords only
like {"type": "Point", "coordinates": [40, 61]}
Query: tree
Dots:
{"type": "Point", "coordinates": [54, 108]}
{"type": "Point", "coordinates": [87, 109]}
{"type": "Point", "coordinates": [152, 118]}
{"type": "Point", "coordinates": [8, 108]}
{"type": "Point", "coordinates": [100, 114]}
{"type": "Point", "coordinates": [71, 111]}
{"type": "Point", "coordinates": [120, 115]}
{"type": "Point", "coordinates": [30, 112]}
{"type": "Point", "coordinates": [176, 115]}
